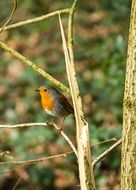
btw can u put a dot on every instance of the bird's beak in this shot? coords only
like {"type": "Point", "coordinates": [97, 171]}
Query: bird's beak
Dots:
{"type": "Point", "coordinates": [37, 90]}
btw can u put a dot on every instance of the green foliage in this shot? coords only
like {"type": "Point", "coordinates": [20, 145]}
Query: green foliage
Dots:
{"type": "Point", "coordinates": [42, 176]}
{"type": "Point", "coordinates": [100, 41]}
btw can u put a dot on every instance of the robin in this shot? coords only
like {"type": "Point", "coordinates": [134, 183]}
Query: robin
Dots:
{"type": "Point", "coordinates": [55, 103]}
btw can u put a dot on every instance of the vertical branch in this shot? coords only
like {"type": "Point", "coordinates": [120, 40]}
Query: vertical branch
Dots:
{"type": "Point", "coordinates": [128, 165]}
{"type": "Point", "coordinates": [84, 154]}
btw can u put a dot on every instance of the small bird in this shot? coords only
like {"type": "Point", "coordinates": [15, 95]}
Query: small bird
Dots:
{"type": "Point", "coordinates": [54, 103]}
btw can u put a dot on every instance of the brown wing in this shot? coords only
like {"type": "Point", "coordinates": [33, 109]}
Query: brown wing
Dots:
{"type": "Point", "coordinates": [66, 105]}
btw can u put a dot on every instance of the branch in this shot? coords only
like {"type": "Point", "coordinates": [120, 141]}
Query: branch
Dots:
{"type": "Point", "coordinates": [82, 133]}
{"type": "Point", "coordinates": [10, 17]}
{"type": "Point", "coordinates": [70, 30]}
{"type": "Point", "coordinates": [27, 162]}
{"type": "Point", "coordinates": [37, 19]}
{"type": "Point", "coordinates": [101, 156]}
{"type": "Point", "coordinates": [17, 183]}
{"type": "Point", "coordinates": [105, 141]}
{"type": "Point", "coordinates": [22, 125]}
{"type": "Point", "coordinates": [34, 67]}
{"type": "Point", "coordinates": [65, 137]}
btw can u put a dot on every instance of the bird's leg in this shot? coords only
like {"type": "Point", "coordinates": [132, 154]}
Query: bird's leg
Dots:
{"type": "Point", "coordinates": [55, 124]}
{"type": "Point", "coordinates": [61, 126]}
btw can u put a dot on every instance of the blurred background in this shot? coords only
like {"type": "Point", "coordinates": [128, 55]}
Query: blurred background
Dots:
{"type": "Point", "coordinates": [100, 44]}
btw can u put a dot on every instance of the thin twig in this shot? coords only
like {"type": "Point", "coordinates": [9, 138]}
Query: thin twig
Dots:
{"type": "Point", "coordinates": [37, 19]}
{"type": "Point", "coordinates": [27, 162]}
{"type": "Point", "coordinates": [34, 67]}
{"type": "Point", "coordinates": [17, 182]}
{"type": "Point", "coordinates": [70, 32]}
{"type": "Point", "coordinates": [105, 141]}
{"type": "Point", "coordinates": [22, 125]}
{"type": "Point", "coordinates": [101, 156]}
{"type": "Point", "coordinates": [10, 17]}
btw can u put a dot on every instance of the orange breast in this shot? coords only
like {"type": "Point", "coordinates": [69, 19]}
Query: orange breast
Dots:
{"type": "Point", "coordinates": [47, 102]}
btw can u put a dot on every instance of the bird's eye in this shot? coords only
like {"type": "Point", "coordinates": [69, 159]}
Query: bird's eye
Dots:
{"type": "Point", "coordinates": [45, 89]}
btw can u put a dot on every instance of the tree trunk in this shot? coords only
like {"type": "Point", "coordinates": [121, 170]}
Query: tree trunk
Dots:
{"type": "Point", "coordinates": [128, 165]}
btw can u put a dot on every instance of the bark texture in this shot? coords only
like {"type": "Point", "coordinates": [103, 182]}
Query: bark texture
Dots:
{"type": "Point", "coordinates": [128, 165]}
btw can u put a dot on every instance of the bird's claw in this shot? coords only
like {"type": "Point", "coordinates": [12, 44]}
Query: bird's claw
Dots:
{"type": "Point", "coordinates": [60, 129]}
{"type": "Point", "coordinates": [50, 122]}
